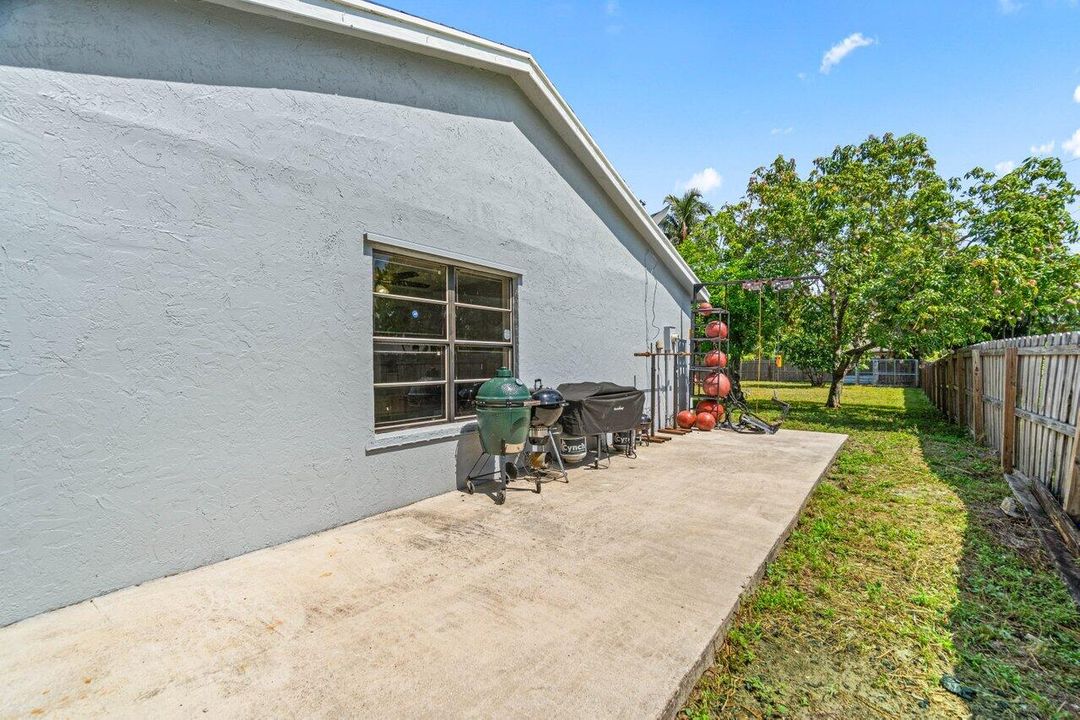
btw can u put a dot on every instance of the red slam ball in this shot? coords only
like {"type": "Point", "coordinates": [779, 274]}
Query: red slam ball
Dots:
{"type": "Point", "coordinates": [685, 419]}
{"type": "Point", "coordinates": [704, 307]}
{"type": "Point", "coordinates": [716, 329]}
{"type": "Point", "coordinates": [707, 406]}
{"type": "Point", "coordinates": [717, 385]}
{"type": "Point", "coordinates": [705, 421]}
{"type": "Point", "coordinates": [716, 359]}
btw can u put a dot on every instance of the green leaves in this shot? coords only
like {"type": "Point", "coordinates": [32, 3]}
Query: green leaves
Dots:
{"type": "Point", "coordinates": [1018, 232]}
{"type": "Point", "coordinates": [685, 213]}
{"type": "Point", "coordinates": [912, 262]}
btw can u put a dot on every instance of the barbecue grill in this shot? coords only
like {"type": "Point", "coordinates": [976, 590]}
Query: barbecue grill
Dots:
{"type": "Point", "coordinates": [503, 416]}
{"type": "Point", "coordinates": [514, 421]}
{"type": "Point", "coordinates": [543, 433]}
{"type": "Point", "coordinates": [600, 408]}
{"type": "Point", "coordinates": [502, 412]}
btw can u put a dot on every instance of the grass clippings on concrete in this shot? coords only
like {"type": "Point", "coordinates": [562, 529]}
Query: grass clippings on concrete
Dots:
{"type": "Point", "coordinates": [902, 577]}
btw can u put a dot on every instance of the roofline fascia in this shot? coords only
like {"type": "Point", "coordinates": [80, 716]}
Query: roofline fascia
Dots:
{"type": "Point", "coordinates": [414, 34]}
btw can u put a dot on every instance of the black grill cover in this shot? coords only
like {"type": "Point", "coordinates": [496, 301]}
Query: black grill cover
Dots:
{"type": "Point", "coordinates": [601, 407]}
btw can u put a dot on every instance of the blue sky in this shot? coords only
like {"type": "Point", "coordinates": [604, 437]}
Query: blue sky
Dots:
{"type": "Point", "coordinates": [671, 91]}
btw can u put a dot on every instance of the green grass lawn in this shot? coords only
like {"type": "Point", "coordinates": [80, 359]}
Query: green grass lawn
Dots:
{"type": "Point", "coordinates": [902, 570]}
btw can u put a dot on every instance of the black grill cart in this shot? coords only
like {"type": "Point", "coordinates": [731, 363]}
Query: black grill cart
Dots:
{"type": "Point", "coordinates": [599, 408]}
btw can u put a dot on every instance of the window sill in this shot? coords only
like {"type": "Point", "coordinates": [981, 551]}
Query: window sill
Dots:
{"type": "Point", "coordinates": [409, 437]}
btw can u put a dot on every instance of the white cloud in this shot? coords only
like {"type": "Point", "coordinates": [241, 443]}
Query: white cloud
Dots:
{"type": "Point", "coordinates": [613, 11]}
{"type": "Point", "coordinates": [1008, 7]}
{"type": "Point", "coordinates": [801, 76]}
{"type": "Point", "coordinates": [1004, 167]}
{"type": "Point", "coordinates": [705, 181]}
{"type": "Point", "coordinates": [842, 49]}
{"type": "Point", "coordinates": [1044, 149]}
{"type": "Point", "coordinates": [781, 131]}
{"type": "Point", "coordinates": [1072, 145]}
{"type": "Point", "coordinates": [1076, 94]}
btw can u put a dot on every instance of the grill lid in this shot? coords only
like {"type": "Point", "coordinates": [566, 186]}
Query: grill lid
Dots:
{"type": "Point", "coordinates": [547, 397]}
{"type": "Point", "coordinates": [504, 390]}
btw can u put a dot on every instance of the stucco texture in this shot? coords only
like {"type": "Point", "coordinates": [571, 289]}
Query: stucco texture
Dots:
{"type": "Point", "coordinates": [185, 335]}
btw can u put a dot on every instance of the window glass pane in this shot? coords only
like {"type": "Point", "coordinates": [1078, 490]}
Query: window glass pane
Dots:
{"type": "Point", "coordinates": [406, 318]}
{"type": "Point", "coordinates": [399, 275]}
{"type": "Point", "coordinates": [409, 404]}
{"type": "Point", "coordinates": [396, 363]}
{"type": "Point", "coordinates": [476, 324]}
{"type": "Point", "coordinates": [474, 363]}
{"type": "Point", "coordinates": [465, 398]}
{"type": "Point", "coordinates": [483, 290]}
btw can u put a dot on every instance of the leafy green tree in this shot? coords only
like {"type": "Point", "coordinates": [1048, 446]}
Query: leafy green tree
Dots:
{"type": "Point", "coordinates": [877, 222]}
{"type": "Point", "coordinates": [1019, 230]}
{"type": "Point", "coordinates": [706, 250]}
{"type": "Point", "coordinates": [909, 262]}
{"type": "Point", "coordinates": [685, 213]}
{"type": "Point", "coordinates": [802, 345]}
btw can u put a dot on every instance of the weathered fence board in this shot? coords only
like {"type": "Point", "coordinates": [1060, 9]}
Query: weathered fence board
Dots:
{"type": "Point", "coordinates": [1008, 412]}
{"type": "Point", "coordinates": [978, 423]}
{"type": "Point", "coordinates": [1020, 397]}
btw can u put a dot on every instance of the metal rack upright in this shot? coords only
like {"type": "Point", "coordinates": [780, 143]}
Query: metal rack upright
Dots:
{"type": "Point", "coordinates": [700, 346]}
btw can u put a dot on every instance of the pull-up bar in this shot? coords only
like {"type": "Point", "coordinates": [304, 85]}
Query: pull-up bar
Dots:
{"type": "Point", "coordinates": [760, 282]}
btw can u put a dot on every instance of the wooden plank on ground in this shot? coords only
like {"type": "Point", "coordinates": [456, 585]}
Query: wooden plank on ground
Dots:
{"type": "Point", "coordinates": [1066, 528]}
{"type": "Point", "coordinates": [1067, 567]}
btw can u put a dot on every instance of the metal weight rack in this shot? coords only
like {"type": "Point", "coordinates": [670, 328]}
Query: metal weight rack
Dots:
{"type": "Point", "coordinates": [700, 346]}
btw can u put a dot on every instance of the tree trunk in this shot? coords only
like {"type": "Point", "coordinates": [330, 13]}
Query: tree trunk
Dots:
{"type": "Point", "coordinates": [836, 386]}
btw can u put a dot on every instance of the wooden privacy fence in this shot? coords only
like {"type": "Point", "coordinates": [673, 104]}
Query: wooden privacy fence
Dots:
{"type": "Point", "coordinates": [1022, 398]}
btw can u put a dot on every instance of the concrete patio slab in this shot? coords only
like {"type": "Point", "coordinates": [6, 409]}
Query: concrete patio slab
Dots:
{"type": "Point", "coordinates": [600, 598]}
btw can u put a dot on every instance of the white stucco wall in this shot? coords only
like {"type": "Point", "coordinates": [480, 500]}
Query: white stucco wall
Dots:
{"type": "Point", "coordinates": [185, 314]}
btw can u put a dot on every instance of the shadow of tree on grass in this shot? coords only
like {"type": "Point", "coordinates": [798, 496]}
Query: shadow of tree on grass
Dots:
{"type": "Point", "coordinates": [902, 570]}
{"type": "Point", "coordinates": [1015, 628]}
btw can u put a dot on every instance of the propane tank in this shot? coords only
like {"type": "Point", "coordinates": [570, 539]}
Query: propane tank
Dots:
{"type": "Point", "coordinates": [573, 448]}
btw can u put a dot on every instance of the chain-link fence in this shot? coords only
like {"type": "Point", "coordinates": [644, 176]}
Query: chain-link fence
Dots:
{"type": "Point", "coordinates": [894, 372]}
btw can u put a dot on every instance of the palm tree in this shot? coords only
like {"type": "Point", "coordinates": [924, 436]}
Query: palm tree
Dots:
{"type": "Point", "coordinates": [684, 213]}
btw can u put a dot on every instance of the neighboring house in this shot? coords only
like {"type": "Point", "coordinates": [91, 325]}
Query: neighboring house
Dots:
{"type": "Point", "coordinates": [255, 254]}
{"type": "Point", "coordinates": [661, 215]}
